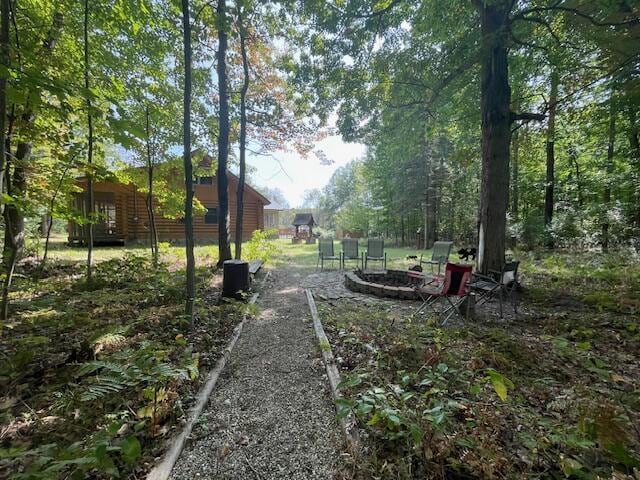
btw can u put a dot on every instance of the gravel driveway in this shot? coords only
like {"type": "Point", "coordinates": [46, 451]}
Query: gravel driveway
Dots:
{"type": "Point", "coordinates": [271, 415]}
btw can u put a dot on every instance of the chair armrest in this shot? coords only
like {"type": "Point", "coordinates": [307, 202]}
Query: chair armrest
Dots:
{"type": "Point", "coordinates": [480, 276]}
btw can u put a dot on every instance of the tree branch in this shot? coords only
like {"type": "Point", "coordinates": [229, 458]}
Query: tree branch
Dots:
{"type": "Point", "coordinates": [527, 116]}
{"type": "Point", "coordinates": [577, 13]}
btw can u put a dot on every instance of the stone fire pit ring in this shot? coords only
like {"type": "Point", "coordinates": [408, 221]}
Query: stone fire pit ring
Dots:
{"type": "Point", "coordinates": [386, 283]}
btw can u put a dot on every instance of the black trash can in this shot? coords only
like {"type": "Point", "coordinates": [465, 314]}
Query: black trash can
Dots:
{"type": "Point", "coordinates": [235, 278]}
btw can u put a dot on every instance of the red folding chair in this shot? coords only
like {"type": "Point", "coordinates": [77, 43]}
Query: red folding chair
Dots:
{"type": "Point", "coordinates": [454, 288]}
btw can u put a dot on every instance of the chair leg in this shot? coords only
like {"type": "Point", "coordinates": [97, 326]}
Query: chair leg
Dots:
{"type": "Point", "coordinates": [500, 295]}
{"type": "Point", "coordinates": [453, 309]}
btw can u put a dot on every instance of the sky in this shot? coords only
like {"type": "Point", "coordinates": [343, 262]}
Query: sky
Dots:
{"type": "Point", "coordinates": [293, 174]}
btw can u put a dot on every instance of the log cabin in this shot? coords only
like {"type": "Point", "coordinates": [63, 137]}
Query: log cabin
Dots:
{"type": "Point", "coordinates": [123, 215]}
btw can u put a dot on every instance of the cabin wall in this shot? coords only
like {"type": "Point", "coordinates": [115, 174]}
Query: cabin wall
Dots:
{"type": "Point", "coordinates": [104, 193]}
{"type": "Point", "coordinates": [132, 218]}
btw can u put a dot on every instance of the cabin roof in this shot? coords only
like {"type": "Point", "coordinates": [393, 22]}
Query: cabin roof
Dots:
{"type": "Point", "coordinates": [274, 206]}
{"type": "Point", "coordinates": [206, 162]}
{"type": "Point", "coordinates": [303, 219]}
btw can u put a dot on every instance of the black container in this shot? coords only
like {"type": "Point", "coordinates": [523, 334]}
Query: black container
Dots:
{"type": "Point", "coordinates": [235, 278]}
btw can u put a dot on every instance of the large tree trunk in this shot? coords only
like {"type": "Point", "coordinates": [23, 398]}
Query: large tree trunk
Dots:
{"type": "Point", "coordinates": [515, 174]}
{"type": "Point", "coordinates": [90, 201]}
{"type": "Point", "coordinates": [496, 133]}
{"type": "Point", "coordinates": [188, 167]}
{"type": "Point", "coordinates": [551, 158]}
{"type": "Point", "coordinates": [431, 205]}
{"type": "Point", "coordinates": [606, 196]}
{"type": "Point", "coordinates": [150, 209]}
{"type": "Point", "coordinates": [243, 134]}
{"type": "Point", "coordinates": [224, 247]}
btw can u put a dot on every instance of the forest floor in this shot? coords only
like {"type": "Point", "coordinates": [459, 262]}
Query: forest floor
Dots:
{"type": "Point", "coordinates": [552, 392]}
{"type": "Point", "coordinates": [95, 378]}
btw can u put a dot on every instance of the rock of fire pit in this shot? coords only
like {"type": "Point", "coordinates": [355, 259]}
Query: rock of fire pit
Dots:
{"type": "Point", "coordinates": [407, 293]}
{"type": "Point", "coordinates": [391, 291]}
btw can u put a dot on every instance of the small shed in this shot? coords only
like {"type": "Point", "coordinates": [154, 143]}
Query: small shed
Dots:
{"type": "Point", "coordinates": [306, 234]}
{"type": "Point", "coordinates": [272, 216]}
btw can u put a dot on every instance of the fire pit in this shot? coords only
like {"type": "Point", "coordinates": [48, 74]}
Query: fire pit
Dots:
{"type": "Point", "coordinates": [388, 283]}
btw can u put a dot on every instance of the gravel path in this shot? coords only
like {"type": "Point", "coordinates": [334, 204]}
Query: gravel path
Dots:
{"type": "Point", "coordinates": [271, 415]}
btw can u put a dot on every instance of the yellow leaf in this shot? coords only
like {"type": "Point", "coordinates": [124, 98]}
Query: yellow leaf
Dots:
{"type": "Point", "coordinates": [500, 388]}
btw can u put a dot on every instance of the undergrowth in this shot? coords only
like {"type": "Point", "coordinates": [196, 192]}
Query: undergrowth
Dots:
{"type": "Point", "coordinates": [93, 376]}
{"type": "Point", "coordinates": [553, 394]}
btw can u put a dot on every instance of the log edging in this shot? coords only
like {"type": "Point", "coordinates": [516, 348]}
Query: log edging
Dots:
{"type": "Point", "coordinates": [348, 423]}
{"type": "Point", "coordinates": [163, 469]}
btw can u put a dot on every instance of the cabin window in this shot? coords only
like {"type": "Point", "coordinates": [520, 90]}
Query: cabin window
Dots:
{"type": "Point", "coordinates": [205, 180]}
{"type": "Point", "coordinates": [211, 217]}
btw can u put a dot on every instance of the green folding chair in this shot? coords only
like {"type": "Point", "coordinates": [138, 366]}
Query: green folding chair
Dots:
{"type": "Point", "coordinates": [375, 252]}
{"type": "Point", "coordinates": [439, 255]}
{"type": "Point", "coordinates": [350, 251]}
{"type": "Point", "coordinates": [325, 252]}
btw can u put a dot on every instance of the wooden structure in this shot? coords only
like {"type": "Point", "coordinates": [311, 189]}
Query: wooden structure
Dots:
{"type": "Point", "coordinates": [272, 216]}
{"type": "Point", "coordinates": [123, 215]}
{"type": "Point", "coordinates": [306, 221]}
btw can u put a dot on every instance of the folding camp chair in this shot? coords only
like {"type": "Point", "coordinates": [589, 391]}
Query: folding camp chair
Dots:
{"type": "Point", "coordinates": [454, 288]}
{"type": "Point", "coordinates": [325, 252]}
{"type": "Point", "coordinates": [375, 252]}
{"type": "Point", "coordinates": [501, 284]}
{"type": "Point", "coordinates": [439, 255]}
{"type": "Point", "coordinates": [350, 251]}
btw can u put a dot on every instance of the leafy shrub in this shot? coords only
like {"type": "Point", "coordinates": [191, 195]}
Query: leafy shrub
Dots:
{"type": "Point", "coordinates": [261, 246]}
{"type": "Point", "coordinates": [530, 230]}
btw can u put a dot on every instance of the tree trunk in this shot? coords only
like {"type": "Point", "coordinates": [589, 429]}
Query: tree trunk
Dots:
{"type": "Point", "coordinates": [188, 167]}
{"type": "Point", "coordinates": [634, 143]}
{"type": "Point", "coordinates": [5, 60]}
{"type": "Point", "coordinates": [606, 196]}
{"type": "Point", "coordinates": [14, 222]}
{"type": "Point", "coordinates": [224, 247]}
{"type": "Point", "coordinates": [150, 208]}
{"type": "Point", "coordinates": [496, 133]}
{"type": "Point", "coordinates": [515, 142]}
{"type": "Point", "coordinates": [90, 201]}
{"type": "Point", "coordinates": [16, 185]}
{"type": "Point", "coordinates": [243, 134]}
{"type": "Point", "coordinates": [551, 159]}
{"type": "Point", "coordinates": [573, 155]}
{"type": "Point", "coordinates": [52, 203]}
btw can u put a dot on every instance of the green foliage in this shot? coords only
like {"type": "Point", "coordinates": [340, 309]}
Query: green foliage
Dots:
{"type": "Point", "coordinates": [261, 246]}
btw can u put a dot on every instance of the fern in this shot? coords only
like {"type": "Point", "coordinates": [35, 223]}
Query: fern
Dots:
{"type": "Point", "coordinates": [104, 385]}
{"type": "Point", "coordinates": [141, 369]}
